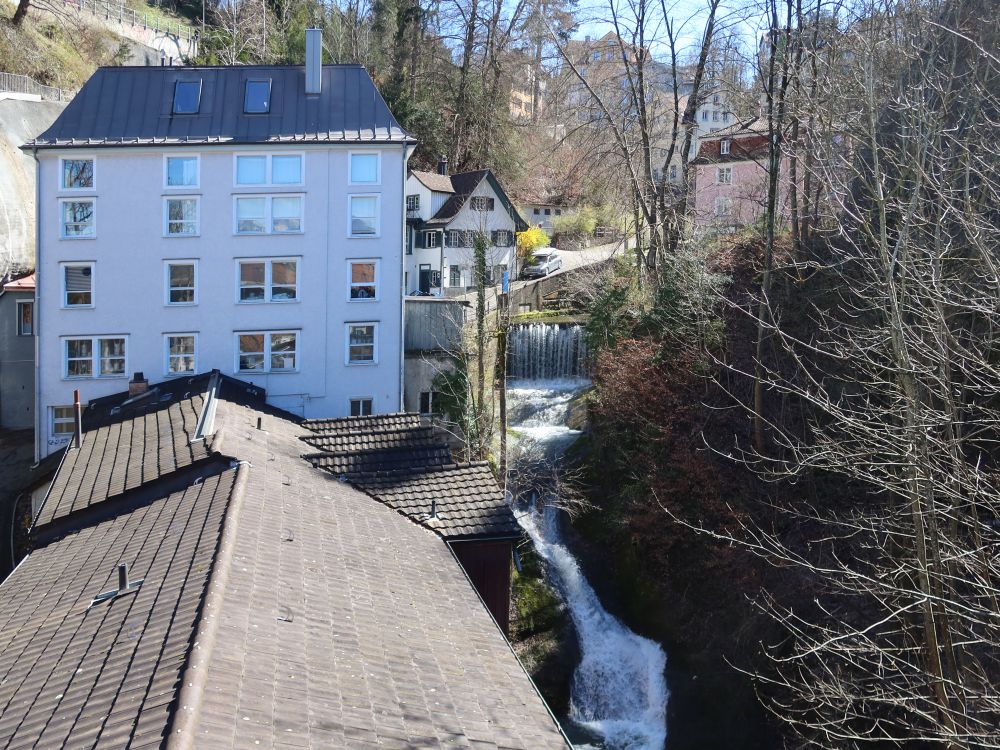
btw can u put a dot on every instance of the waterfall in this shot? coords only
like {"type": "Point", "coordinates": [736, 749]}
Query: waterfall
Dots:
{"type": "Point", "coordinates": [619, 694]}
{"type": "Point", "coordinates": [546, 350]}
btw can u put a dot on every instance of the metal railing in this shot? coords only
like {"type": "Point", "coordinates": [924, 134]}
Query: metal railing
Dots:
{"type": "Point", "coordinates": [117, 11]}
{"type": "Point", "coordinates": [20, 84]}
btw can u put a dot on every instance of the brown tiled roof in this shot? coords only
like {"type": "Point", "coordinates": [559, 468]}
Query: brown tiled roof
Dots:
{"type": "Point", "coordinates": [361, 425]}
{"type": "Point", "coordinates": [280, 608]}
{"type": "Point", "coordinates": [419, 437]}
{"type": "Point", "coordinates": [439, 183]}
{"type": "Point", "coordinates": [106, 676]}
{"type": "Point", "coordinates": [127, 454]}
{"type": "Point", "coordinates": [388, 460]}
{"type": "Point", "coordinates": [465, 498]}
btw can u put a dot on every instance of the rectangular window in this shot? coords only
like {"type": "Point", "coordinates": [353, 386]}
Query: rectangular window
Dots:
{"type": "Point", "coordinates": [704, 115]}
{"type": "Point", "coordinates": [673, 172]}
{"type": "Point", "coordinates": [503, 238]}
{"type": "Point", "coordinates": [725, 116]}
{"type": "Point", "coordinates": [78, 285]}
{"type": "Point", "coordinates": [268, 280]}
{"type": "Point", "coordinates": [181, 171]}
{"type": "Point", "coordinates": [724, 176]}
{"type": "Point", "coordinates": [715, 115]}
{"type": "Point", "coordinates": [286, 170]}
{"type": "Point", "coordinates": [364, 216]}
{"type": "Point", "coordinates": [102, 355]}
{"type": "Point", "coordinates": [282, 213]}
{"type": "Point", "coordinates": [363, 280]}
{"type": "Point", "coordinates": [722, 206]}
{"type": "Point", "coordinates": [361, 343]}
{"type": "Point", "coordinates": [481, 203]}
{"type": "Point", "coordinates": [413, 203]}
{"type": "Point", "coordinates": [77, 174]}
{"type": "Point", "coordinates": [268, 351]}
{"type": "Point", "coordinates": [181, 217]}
{"type": "Point", "coordinates": [364, 169]}
{"type": "Point", "coordinates": [459, 238]}
{"type": "Point", "coordinates": [181, 282]}
{"type": "Point", "coordinates": [257, 96]}
{"type": "Point", "coordinates": [716, 99]}
{"type": "Point", "coordinates": [286, 214]}
{"type": "Point", "coordinates": [724, 146]}
{"type": "Point", "coordinates": [181, 353]}
{"type": "Point", "coordinates": [261, 169]}
{"type": "Point", "coordinates": [25, 318]}
{"type": "Point", "coordinates": [78, 220]}
{"type": "Point", "coordinates": [427, 402]}
{"type": "Point", "coordinates": [63, 420]}
{"type": "Point", "coordinates": [361, 407]}
{"type": "Point", "coordinates": [187, 97]}
{"type": "Point", "coordinates": [455, 276]}
{"type": "Point", "coordinates": [431, 239]}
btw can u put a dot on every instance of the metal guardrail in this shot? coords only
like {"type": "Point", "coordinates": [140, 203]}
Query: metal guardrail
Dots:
{"type": "Point", "coordinates": [128, 17]}
{"type": "Point", "coordinates": [19, 84]}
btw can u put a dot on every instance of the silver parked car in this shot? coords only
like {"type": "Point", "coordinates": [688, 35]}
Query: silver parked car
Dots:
{"type": "Point", "coordinates": [547, 261]}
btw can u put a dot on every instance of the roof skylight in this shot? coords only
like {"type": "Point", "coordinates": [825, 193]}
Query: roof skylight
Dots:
{"type": "Point", "coordinates": [257, 97]}
{"type": "Point", "coordinates": [187, 97]}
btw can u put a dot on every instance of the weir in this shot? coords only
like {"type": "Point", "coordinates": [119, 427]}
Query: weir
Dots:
{"type": "Point", "coordinates": [542, 351]}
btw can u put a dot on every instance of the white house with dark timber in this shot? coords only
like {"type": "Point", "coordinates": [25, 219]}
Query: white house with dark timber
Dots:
{"type": "Point", "coordinates": [246, 219]}
{"type": "Point", "coordinates": [443, 215]}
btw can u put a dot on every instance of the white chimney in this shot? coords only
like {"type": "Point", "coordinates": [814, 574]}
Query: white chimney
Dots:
{"type": "Point", "coordinates": [314, 61]}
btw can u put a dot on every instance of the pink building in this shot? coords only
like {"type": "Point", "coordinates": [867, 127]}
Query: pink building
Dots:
{"type": "Point", "coordinates": [731, 177]}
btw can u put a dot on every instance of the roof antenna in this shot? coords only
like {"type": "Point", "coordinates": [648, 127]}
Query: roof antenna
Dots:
{"type": "Point", "coordinates": [125, 586]}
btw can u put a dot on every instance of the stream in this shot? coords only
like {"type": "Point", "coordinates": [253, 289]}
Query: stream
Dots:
{"type": "Point", "coordinates": [618, 698]}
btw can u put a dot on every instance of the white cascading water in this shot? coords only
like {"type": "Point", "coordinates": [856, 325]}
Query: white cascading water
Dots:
{"type": "Point", "coordinates": [619, 692]}
{"type": "Point", "coordinates": [542, 351]}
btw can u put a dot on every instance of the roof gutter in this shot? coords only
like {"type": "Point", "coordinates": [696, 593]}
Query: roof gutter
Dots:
{"type": "Point", "coordinates": [39, 420]}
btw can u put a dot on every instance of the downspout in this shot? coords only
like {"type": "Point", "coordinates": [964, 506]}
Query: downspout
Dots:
{"type": "Point", "coordinates": [38, 307]}
{"type": "Point", "coordinates": [408, 150]}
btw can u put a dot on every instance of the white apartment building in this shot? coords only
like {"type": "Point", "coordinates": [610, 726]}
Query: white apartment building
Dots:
{"type": "Point", "coordinates": [443, 214]}
{"type": "Point", "coordinates": [245, 219]}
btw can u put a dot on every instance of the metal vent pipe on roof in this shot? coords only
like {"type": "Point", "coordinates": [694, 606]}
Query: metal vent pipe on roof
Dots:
{"type": "Point", "coordinates": [314, 61]}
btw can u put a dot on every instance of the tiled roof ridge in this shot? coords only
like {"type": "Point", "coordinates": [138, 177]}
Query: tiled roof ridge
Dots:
{"type": "Point", "coordinates": [184, 722]}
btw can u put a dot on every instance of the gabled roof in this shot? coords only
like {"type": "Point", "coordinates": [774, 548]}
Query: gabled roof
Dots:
{"type": "Point", "coordinates": [438, 183]}
{"type": "Point", "coordinates": [461, 186]}
{"type": "Point", "coordinates": [23, 284]}
{"type": "Point", "coordinates": [133, 106]}
{"type": "Point", "coordinates": [279, 607]}
{"type": "Point", "coordinates": [755, 126]}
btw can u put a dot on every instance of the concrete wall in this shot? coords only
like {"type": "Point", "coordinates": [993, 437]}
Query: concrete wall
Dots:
{"type": "Point", "coordinates": [17, 367]}
{"type": "Point", "coordinates": [20, 120]}
{"type": "Point", "coordinates": [130, 248]}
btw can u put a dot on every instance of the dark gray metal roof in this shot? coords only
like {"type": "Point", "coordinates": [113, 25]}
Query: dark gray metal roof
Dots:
{"type": "Point", "coordinates": [133, 106]}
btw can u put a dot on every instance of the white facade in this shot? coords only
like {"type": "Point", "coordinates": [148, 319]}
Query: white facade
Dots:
{"type": "Point", "coordinates": [304, 313]}
{"type": "Point", "coordinates": [452, 255]}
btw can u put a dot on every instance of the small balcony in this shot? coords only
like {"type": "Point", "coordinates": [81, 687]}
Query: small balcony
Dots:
{"type": "Point", "coordinates": [412, 214]}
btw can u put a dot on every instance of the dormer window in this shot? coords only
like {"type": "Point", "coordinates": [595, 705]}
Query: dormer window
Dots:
{"type": "Point", "coordinates": [257, 97]}
{"type": "Point", "coordinates": [187, 97]}
{"type": "Point", "coordinates": [724, 146]}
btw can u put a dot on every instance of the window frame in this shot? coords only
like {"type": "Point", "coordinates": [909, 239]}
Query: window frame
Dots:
{"type": "Point", "coordinates": [416, 202]}
{"type": "Point", "coordinates": [347, 343]}
{"type": "Point", "coordinates": [476, 199]}
{"type": "Point", "coordinates": [723, 206]}
{"type": "Point", "coordinates": [361, 403]}
{"type": "Point", "coordinates": [378, 216]}
{"type": "Point", "coordinates": [167, 234]}
{"type": "Point", "coordinates": [267, 334]}
{"type": "Point", "coordinates": [173, 100]}
{"type": "Point", "coordinates": [167, 355]}
{"type": "Point", "coordinates": [19, 320]}
{"type": "Point", "coordinates": [720, 171]}
{"type": "Point", "coordinates": [268, 199]}
{"type": "Point", "coordinates": [166, 171]}
{"type": "Point", "coordinates": [62, 219]}
{"type": "Point", "coordinates": [350, 283]}
{"type": "Point", "coordinates": [63, 302]}
{"type": "Point", "coordinates": [378, 167]}
{"type": "Point", "coordinates": [268, 262]}
{"type": "Point", "coordinates": [430, 403]}
{"type": "Point", "coordinates": [431, 233]}
{"type": "Point", "coordinates": [268, 170]}
{"type": "Point", "coordinates": [95, 356]}
{"type": "Point", "coordinates": [725, 146]}
{"type": "Point", "coordinates": [246, 91]}
{"type": "Point", "coordinates": [62, 172]}
{"type": "Point", "coordinates": [166, 281]}
{"type": "Point", "coordinates": [70, 420]}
